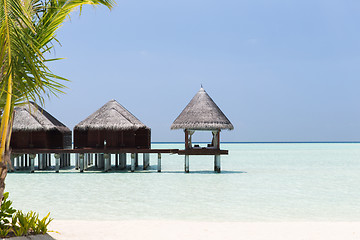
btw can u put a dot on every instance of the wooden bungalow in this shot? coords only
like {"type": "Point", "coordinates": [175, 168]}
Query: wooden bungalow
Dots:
{"type": "Point", "coordinates": [202, 114]}
{"type": "Point", "coordinates": [34, 127]}
{"type": "Point", "coordinates": [112, 126]}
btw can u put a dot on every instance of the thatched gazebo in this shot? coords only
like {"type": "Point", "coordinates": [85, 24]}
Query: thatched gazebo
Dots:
{"type": "Point", "coordinates": [202, 114]}
{"type": "Point", "coordinates": [34, 127]}
{"type": "Point", "coordinates": [112, 126]}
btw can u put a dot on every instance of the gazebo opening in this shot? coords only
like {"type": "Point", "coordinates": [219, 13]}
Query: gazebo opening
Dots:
{"type": "Point", "coordinates": [202, 139]}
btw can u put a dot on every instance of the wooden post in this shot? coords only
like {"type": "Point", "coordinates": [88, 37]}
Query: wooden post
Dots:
{"type": "Point", "coordinates": [102, 163]}
{"type": "Point", "coordinates": [87, 160]}
{"type": "Point", "coordinates": [22, 161]}
{"type": "Point", "coordinates": [40, 161]}
{"type": "Point", "coordinates": [26, 160]}
{"type": "Point", "coordinates": [136, 159]}
{"type": "Point", "coordinates": [216, 139]}
{"type": "Point", "coordinates": [96, 159]}
{"type": "Point", "coordinates": [133, 162]}
{"type": "Point", "coordinates": [148, 159]}
{"type": "Point", "coordinates": [186, 163]}
{"type": "Point", "coordinates": [122, 160]}
{"type": "Point", "coordinates": [159, 163]}
{"type": "Point", "coordinates": [49, 160]}
{"type": "Point", "coordinates": [32, 162]}
{"type": "Point", "coordinates": [116, 160]}
{"type": "Point", "coordinates": [66, 160]}
{"type": "Point", "coordinates": [44, 161]}
{"type": "Point", "coordinates": [84, 164]}
{"type": "Point", "coordinates": [76, 161]}
{"type": "Point", "coordinates": [145, 160]}
{"type": "Point", "coordinates": [17, 163]}
{"type": "Point", "coordinates": [107, 161]}
{"type": "Point", "coordinates": [57, 162]}
{"type": "Point", "coordinates": [217, 163]}
{"type": "Point", "coordinates": [62, 157]}
{"type": "Point", "coordinates": [81, 158]}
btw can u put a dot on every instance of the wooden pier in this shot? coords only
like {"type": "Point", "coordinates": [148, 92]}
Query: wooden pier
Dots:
{"type": "Point", "coordinates": [101, 158]}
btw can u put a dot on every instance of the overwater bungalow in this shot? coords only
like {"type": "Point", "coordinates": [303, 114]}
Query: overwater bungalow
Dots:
{"type": "Point", "coordinates": [112, 126]}
{"type": "Point", "coordinates": [35, 128]}
{"type": "Point", "coordinates": [202, 114]}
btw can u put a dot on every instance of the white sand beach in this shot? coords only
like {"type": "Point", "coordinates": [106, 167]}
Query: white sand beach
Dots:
{"type": "Point", "coordinates": [161, 230]}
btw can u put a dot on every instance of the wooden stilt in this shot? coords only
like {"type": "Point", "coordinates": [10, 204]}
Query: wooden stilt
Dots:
{"type": "Point", "coordinates": [22, 161]}
{"type": "Point", "coordinates": [32, 162]}
{"type": "Point", "coordinates": [62, 159]}
{"type": "Point", "coordinates": [96, 160]}
{"type": "Point", "coordinates": [49, 163]}
{"type": "Point", "coordinates": [107, 162]}
{"type": "Point", "coordinates": [116, 160]}
{"type": "Point", "coordinates": [217, 163]}
{"type": "Point", "coordinates": [86, 161]}
{"type": "Point", "coordinates": [101, 160]}
{"type": "Point", "coordinates": [136, 159]}
{"type": "Point", "coordinates": [133, 162]}
{"type": "Point", "coordinates": [91, 159]}
{"type": "Point", "coordinates": [57, 162]}
{"type": "Point", "coordinates": [76, 161]}
{"type": "Point", "coordinates": [44, 161]}
{"type": "Point", "coordinates": [122, 160]}
{"type": "Point", "coordinates": [26, 160]}
{"type": "Point", "coordinates": [146, 160]}
{"type": "Point", "coordinates": [186, 163]}
{"type": "Point", "coordinates": [65, 160]}
{"type": "Point", "coordinates": [81, 159]}
{"type": "Point", "coordinates": [17, 163]}
{"type": "Point", "coordinates": [159, 163]}
{"type": "Point", "coordinates": [41, 165]}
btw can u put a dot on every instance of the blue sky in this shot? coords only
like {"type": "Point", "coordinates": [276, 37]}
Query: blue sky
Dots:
{"type": "Point", "coordinates": [280, 70]}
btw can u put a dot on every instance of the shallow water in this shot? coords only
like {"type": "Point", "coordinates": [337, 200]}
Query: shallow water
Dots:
{"type": "Point", "coordinates": [259, 182]}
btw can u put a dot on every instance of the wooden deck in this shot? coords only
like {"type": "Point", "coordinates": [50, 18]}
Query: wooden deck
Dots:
{"type": "Point", "coordinates": [94, 150]}
{"type": "Point", "coordinates": [194, 151]}
{"type": "Point", "coordinates": [203, 151]}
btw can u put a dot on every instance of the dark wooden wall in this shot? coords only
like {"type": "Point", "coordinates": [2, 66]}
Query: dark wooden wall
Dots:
{"type": "Point", "coordinates": [140, 138]}
{"type": "Point", "coordinates": [41, 139]}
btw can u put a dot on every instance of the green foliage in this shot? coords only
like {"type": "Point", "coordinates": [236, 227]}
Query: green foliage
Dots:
{"type": "Point", "coordinates": [21, 224]}
{"type": "Point", "coordinates": [42, 225]}
{"type": "Point", "coordinates": [6, 211]}
{"type": "Point", "coordinates": [24, 223]}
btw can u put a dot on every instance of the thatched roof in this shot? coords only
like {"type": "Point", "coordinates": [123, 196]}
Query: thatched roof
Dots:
{"type": "Point", "coordinates": [31, 117]}
{"type": "Point", "coordinates": [111, 116]}
{"type": "Point", "coordinates": [202, 113]}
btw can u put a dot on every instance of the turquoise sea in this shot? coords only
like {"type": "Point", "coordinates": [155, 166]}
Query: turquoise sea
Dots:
{"type": "Point", "coordinates": [259, 182]}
